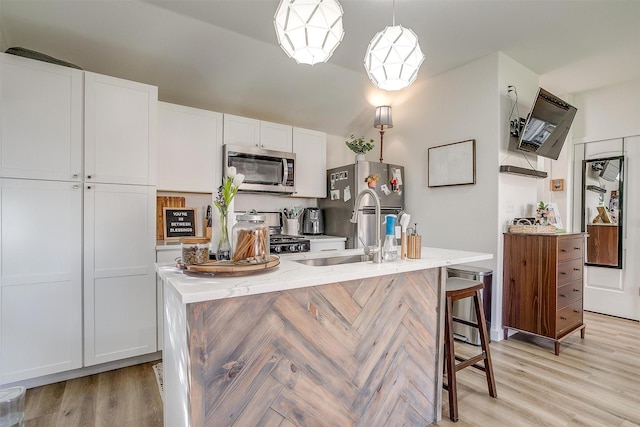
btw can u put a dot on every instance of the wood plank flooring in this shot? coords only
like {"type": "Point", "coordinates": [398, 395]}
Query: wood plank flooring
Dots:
{"type": "Point", "coordinates": [595, 382]}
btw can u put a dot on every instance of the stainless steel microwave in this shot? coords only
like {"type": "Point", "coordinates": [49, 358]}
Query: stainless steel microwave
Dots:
{"type": "Point", "coordinates": [266, 171]}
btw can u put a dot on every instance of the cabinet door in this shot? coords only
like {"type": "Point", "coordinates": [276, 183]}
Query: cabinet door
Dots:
{"type": "Point", "coordinates": [189, 149]}
{"type": "Point", "coordinates": [310, 147]}
{"type": "Point", "coordinates": [40, 278]}
{"type": "Point", "coordinates": [119, 276]}
{"type": "Point", "coordinates": [275, 136]}
{"type": "Point", "coordinates": [40, 120]}
{"type": "Point", "coordinates": [120, 131]}
{"type": "Point", "coordinates": [241, 131]}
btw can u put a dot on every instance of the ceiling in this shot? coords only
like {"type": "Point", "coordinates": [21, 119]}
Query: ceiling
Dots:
{"type": "Point", "coordinates": [223, 55]}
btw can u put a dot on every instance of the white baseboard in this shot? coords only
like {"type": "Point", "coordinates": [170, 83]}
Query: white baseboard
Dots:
{"type": "Point", "coordinates": [83, 372]}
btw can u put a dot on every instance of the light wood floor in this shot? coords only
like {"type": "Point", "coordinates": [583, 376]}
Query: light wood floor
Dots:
{"type": "Point", "coordinates": [595, 382]}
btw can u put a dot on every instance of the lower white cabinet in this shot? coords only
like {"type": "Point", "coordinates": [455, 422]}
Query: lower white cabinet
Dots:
{"type": "Point", "coordinates": [119, 276]}
{"type": "Point", "coordinates": [325, 244]}
{"type": "Point", "coordinates": [164, 255]}
{"type": "Point", "coordinates": [40, 278]}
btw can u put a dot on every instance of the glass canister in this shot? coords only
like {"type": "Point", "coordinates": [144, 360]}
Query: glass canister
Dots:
{"type": "Point", "coordinates": [250, 238]}
{"type": "Point", "coordinates": [195, 250]}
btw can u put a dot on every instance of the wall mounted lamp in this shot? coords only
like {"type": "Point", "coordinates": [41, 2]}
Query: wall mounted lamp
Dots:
{"type": "Point", "coordinates": [382, 121]}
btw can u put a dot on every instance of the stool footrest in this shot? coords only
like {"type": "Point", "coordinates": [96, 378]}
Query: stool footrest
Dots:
{"type": "Point", "coordinates": [474, 365]}
{"type": "Point", "coordinates": [470, 361]}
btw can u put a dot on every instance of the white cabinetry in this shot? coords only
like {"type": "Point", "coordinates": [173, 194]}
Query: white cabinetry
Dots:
{"type": "Point", "coordinates": [164, 255]}
{"type": "Point", "coordinates": [326, 243]}
{"type": "Point", "coordinates": [310, 147]}
{"type": "Point", "coordinates": [119, 276]}
{"type": "Point", "coordinates": [274, 136]}
{"type": "Point", "coordinates": [120, 130]}
{"type": "Point", "coordinates": [41, 120]}
{"type": "Point", "coordinates": [41, 278]}
{"type": "Point", "coordinates": [189, 149]}
{"type": "Point", "coordinates": [42, 256]}
{"type": "Point", "coordinates": [255, 133]}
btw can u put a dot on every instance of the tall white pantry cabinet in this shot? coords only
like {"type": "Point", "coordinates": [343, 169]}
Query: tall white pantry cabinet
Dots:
{"type": "Point", "coordinates": [77, 212]}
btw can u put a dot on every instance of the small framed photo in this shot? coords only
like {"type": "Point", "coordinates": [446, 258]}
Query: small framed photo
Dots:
{"type": "Point", "coordinates": [557, 184]}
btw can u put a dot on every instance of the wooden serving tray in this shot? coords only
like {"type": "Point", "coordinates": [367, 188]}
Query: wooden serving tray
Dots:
{"type": "Point", "coordinates": [234, 268]}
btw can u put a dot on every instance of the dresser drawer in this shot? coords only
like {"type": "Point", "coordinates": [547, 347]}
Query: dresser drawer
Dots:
{"type": "Point", "coordinates": [569, 271]}
{"type": "Point", "coordinates": [568, 317]}
{"type": "Point", "coordinates": [570, 249]}
{"type": "Point", "coordinates": [569, 293]}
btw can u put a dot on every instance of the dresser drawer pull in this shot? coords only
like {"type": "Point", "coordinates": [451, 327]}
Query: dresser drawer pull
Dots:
{"type": "Point", "coordinates": [576, 311]}
{"type": "Point", "coordinates": [576, 269]}
{"type": "Point", "coordinates": [563, 295]}
{"type": "Point", "coordinates": [576, 249]}
{"type": "Point", "coordinates": [563, 272]}
{"type": "Point", "coordinates": [563, 250]}
{"type": "Point", "coordinates": [563, 318]}
{"type": "Point", "coordinates": [576, 290]}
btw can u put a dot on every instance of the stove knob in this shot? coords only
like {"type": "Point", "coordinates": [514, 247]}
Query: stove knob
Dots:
{"type": "Point", "coordinates": [277, 249]}
{"type": "Point", "coordinates": [301, 247]}
{"type": "Point", "coordinates": [292, 248]}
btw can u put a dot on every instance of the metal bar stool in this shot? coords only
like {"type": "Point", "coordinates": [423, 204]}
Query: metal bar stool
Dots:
{"type": "Point", "coordinates": [456, 289]}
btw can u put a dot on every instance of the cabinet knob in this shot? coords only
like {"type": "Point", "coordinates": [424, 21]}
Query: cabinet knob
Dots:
{"type": "Point", "coordinates": [88, 176]}
{"type": "Point", "coordinates": [75, 187]}
{"type": "Point", "coordinates": [75, 175]}
{"type": "Point", "coordinates": [88, 187]}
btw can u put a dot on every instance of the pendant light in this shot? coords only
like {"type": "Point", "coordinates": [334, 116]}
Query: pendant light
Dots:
{"type": "Point", "coordinates": [309, 30]}
{"type": "Point", "coordinates": [393, 57]}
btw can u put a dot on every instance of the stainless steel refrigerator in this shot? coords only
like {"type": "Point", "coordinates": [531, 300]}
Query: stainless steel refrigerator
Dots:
{"type": "Point", "coordinates": [343, 186]}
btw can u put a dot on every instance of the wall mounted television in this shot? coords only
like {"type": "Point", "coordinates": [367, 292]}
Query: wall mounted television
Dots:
{"type": "Point", "coordinates": [546, 127]}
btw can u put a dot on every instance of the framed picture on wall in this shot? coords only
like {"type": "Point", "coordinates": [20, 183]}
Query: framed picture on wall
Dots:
{"type": "Point", "coordinates": [557, 184]}
{"type": "Point", "coordinates": [452, 164]}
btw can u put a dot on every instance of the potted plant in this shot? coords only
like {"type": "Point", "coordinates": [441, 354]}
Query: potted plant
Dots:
{"type": "Point", "coordinates": [359, 146]}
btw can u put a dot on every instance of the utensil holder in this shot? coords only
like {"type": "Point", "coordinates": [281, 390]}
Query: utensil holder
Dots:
{"type": "Point", "coordinates": [291, 227]}
{"type": "Point", "coordinates": [414, 246]}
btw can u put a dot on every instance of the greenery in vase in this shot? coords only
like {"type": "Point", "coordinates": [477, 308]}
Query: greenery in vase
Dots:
{"type": "Point", "coordinates": [228, 189]}
{"type": "Point", "coordinates": [358, 145]}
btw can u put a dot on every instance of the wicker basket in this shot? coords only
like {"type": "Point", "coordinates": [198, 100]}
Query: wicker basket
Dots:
{"type": "Point", "coordinates": [525, 226]}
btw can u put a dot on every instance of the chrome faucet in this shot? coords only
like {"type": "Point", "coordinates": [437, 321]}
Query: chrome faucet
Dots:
{"type": "Point", "coordinates": [377, 249]}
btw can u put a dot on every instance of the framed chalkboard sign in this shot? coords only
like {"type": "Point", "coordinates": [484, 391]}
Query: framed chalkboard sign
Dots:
{"type": "Point", "coordinates": [452, 164]}
{"type": "Point", "coordinates": [178, 222]}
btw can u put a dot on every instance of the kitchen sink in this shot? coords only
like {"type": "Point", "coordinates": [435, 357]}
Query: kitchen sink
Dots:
{"type": "Point", "coordinates": [335, 260]}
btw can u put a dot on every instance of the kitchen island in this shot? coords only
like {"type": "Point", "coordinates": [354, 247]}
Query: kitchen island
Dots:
{"type": "Point", "coordinates": [342, 345]}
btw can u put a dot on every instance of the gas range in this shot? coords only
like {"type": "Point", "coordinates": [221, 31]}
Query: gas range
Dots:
{"type": "Point", "coordinates": [284, 244]}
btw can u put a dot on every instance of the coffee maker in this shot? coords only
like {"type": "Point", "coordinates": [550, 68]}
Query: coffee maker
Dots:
{"type": "Point", "coordinates": [312, 222]}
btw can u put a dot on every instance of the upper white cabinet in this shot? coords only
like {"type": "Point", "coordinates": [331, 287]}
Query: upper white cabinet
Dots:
{"type": "Point", "coordinates": [255, 133]}
{"type": "Point", "coordinates": [40, 278]}
{"type": "Point", "coordinates": [120, 130]}
{"type": "Point", "coordinates": [119, 275]}
{"type": "Point", "coordinates": [274, 136]}
{"type": "Point", "coordinates": [189, 149]}
{"type": "Point", "coordinates": [40, 120]}
{"type": "Point", "coordinates": [310, 147]}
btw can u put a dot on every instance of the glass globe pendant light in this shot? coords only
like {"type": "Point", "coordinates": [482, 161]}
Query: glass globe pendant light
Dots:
{"type": "Point", "coordinates": [393, 57]}
{"type": "Point", "coordinates": [309, 30]}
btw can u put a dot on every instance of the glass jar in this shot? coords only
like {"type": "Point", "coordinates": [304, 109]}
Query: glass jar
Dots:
{"type": "Point", "coordinates": [195, 250]}
{"type": "Point", "coordinates": [250, 239]}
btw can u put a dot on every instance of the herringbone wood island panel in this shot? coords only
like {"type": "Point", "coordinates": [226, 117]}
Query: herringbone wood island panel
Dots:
{"type": "Point", "coordinates": [358, 353]}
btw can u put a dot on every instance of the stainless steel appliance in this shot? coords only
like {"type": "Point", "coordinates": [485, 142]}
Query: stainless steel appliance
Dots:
{"type": "Point", "coordinates": [345, 183]}
{"type": "Point", "coordinates": [464, 309]}
{"type": "Point", "coordinates": [265, 171]}
{"type": "Point", "coordinates": [312, 221]}
{"type": "Point", "coordinates": [281, 244]}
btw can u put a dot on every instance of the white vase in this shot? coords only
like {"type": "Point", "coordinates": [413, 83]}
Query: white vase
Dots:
{"type": "Point", "coordinates": [360, 157]}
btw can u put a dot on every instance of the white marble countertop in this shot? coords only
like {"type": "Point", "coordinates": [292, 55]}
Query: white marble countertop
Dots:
{"type": "Point", "coordinates": [292, 275]}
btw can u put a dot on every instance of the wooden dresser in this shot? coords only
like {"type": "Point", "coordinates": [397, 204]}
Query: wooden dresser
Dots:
{"type": "Point", "coordinates": [543, 284]}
